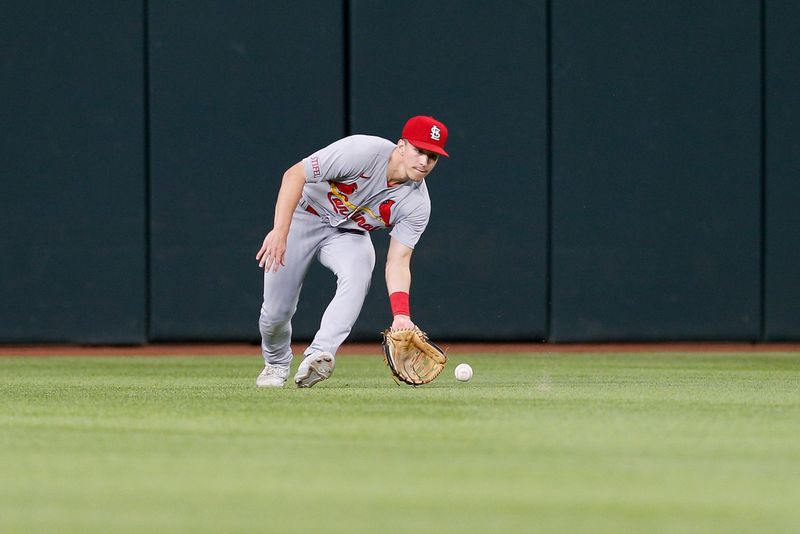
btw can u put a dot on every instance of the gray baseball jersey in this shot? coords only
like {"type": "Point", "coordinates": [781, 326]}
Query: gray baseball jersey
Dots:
{"type": "Point", "coordinates": [346, 189]}
{"type": "Point", "coordinates": [346, 185]}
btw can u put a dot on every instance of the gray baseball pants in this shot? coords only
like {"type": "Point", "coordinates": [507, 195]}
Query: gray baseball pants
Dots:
{"type": "Point", "coordinates": [351, 257]}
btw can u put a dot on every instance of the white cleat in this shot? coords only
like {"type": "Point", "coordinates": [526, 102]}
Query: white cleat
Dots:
{"type": "Point", "coordinates": [314, 368]}
{"type": "Point", "coordinates": [273, 376]}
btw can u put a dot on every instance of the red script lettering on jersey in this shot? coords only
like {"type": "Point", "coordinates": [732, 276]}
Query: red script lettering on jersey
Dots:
{"type": "Point", "coordinates": [338, 205]}
{"type": "Point", "coordinates": [359, 219]}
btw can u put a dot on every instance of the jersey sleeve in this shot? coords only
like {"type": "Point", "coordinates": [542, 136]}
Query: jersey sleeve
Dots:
{"type": "Point", "coordinates": [336, 162]}
{"type": "Point", "coordinates": [409, 229]}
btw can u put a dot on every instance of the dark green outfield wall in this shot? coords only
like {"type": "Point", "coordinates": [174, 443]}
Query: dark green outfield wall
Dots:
{"type": "Point", "coordinates": [480, 270]}
{"type": "Point", "coordinates": [73, 221]}
{"type": "Point", "coordinates": [656, 170]}
{"type": "Point", "coordinates": [782, 172]}
{"type": "Point", "coordinates": [620, 170]}
{"type": "Point", "coordinates": [239, 91]}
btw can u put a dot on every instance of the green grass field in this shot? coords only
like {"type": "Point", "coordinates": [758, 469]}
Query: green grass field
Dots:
{"type": "Point", "coordinates": [534, 443]}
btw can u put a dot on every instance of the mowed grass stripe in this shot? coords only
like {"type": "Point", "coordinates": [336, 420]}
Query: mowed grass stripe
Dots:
{"type": "Point", "coordinates": [551, 443]}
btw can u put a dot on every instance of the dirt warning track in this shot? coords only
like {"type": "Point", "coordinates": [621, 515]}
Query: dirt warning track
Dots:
{"type": "Point", "coordinates": [242, 349]}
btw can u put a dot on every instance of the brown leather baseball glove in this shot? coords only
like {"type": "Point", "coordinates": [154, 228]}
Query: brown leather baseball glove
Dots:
{"type": "Point", "coordinates": [411, 356]}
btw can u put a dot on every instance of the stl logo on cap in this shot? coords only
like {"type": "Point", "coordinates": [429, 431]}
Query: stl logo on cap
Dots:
{"type": "Point", "coordinates": [426, 133]}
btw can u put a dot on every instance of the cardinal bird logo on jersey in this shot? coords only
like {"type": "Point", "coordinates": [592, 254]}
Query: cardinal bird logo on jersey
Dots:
{"type": "Point", "coordinates": [385, 210]}
{"type": "Point", "coordinates": [347, 189]}
{"type": "Point", "coordinates": [339, 197]}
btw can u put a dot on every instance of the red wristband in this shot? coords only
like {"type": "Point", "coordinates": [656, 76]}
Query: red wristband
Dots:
{"type": "Point", "coordinates": [400, 303]}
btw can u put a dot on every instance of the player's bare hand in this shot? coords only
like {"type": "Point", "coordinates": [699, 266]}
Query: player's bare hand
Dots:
{"type": "Point", "coordinates": [272, 253]}
{"type": "Point", "coordinates": [402, 322]}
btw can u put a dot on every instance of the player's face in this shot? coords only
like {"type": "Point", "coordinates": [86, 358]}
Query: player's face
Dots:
{"type": "Point", "coordinates": [418, 162]}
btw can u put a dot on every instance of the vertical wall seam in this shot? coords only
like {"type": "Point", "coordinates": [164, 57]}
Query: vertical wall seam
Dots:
{"type": "Point", "coordinates": [346, 27]}
{"type": "Point", "coordinates": [763, 171]}
{"type": "Point", "coordinates": [549, 168]}
{"type": "Point", "coordinates": [147, 207]}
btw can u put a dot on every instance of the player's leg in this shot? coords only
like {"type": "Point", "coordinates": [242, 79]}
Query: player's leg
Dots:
{"type": "Point", "coordinates": [351, 257]}
{"type": "Point", "coordinates": [282, 288]}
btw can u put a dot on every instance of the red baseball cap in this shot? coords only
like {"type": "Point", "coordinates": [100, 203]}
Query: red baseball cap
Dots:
{"type": "Point", "coordinates": [426, 133]}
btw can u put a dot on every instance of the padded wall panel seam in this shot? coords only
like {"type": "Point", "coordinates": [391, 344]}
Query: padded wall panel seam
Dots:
{"type": "Point", "coordinates": [782, 284]}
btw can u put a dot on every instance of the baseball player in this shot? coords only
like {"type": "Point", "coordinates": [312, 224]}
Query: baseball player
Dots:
{"type": "Point", "coordinates": [327, 205]}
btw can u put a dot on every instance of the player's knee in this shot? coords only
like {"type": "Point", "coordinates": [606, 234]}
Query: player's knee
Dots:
{"type": "Point", "coordinates": [274, 318]}
{"type": "Point", "coordinates": [362, 264]}
{"type": "Point", "coordinates": [357, 280]}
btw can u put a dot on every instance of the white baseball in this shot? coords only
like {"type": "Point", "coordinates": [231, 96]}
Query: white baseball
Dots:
{"type": "Point", "coordinates": [463, 372]}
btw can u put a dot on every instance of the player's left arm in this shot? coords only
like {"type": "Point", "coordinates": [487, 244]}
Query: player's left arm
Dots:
{"type": "Point", "coordinates": [398, 282]}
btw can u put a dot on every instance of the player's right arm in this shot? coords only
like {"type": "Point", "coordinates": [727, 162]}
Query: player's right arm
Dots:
{"type": "Point", "coordinates": [273, 249]}
{"type": "Point", "coordinates": [398, 283]}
